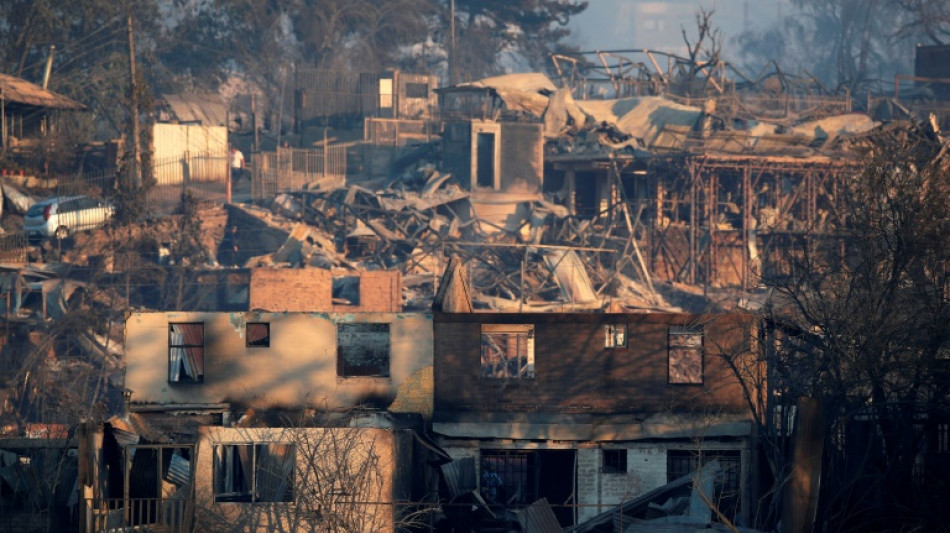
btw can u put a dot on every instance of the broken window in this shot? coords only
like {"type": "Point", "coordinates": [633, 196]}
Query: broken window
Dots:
{"type": "Point", "coordinates": [509, 476]}
{"type": "Point", "coordinates": [186, 346]}
{"type": "Point", "coordinates": [682, 462]}
{"type": "Point", "coordinates": [615, 336]}
{"type": "Point", "coordinates": [943, 438]}
{"type": "Point", "coordinates": [236, 291]}
{"type": "Point", "coordinates": [614, 461]}
{"type": "Point", "coordinates": [363, 350]}
{"type": "Point", "coordinates": [346, 289]}
{"type": "Point", "coordinates": [417, 90]}
{"type": "Point", "coordinates": [686, 355]}
{"type": "Point", "coordinates": [257, 334]}
{"type": "Point", "coordinates": [508, 351]}
{"type": "Point", "coordinates": [262, 472]}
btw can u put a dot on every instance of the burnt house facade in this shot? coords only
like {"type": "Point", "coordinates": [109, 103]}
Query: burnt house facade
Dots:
{"type": "Point", "coordinates": [231, 415]}
{"type": "Point", "coordinates": [589, 410]}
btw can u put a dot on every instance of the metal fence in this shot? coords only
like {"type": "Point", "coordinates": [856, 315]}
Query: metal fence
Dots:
{"type": "Point", "coordinates": [292, 169]}
{"type": "Point", "coordinates": [204, 175]}
{"type": "Point", "coordinates": [398, 132]}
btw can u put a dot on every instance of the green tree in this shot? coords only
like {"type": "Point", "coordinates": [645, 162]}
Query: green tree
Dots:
{"type": "Point", "coordinates": [532, 29]}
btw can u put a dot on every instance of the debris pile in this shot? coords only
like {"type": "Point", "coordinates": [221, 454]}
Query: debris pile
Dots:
{"type": "Point", "coordinates": [542, 258]}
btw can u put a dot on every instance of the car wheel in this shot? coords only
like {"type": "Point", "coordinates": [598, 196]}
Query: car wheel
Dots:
{"type": "Point", "coordinates": [61, 233]}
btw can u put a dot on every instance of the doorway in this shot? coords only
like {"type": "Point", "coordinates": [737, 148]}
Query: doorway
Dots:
{"type": "Point", "coordinates": [485, 161]}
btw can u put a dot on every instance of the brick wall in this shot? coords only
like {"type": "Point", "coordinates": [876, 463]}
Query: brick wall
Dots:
{"type": "Point", "coordinates": [575, 373]}
{"type": "Point", "coordinates": [380, 292]}
{"type": "Point", "coordinates": [290, 289]}
{"type": "Point", "coordinates": [311, 290]}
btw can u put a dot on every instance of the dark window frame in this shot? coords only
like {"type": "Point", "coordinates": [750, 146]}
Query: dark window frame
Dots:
{"type": "Point", "coordinates": [680, 462]}
{"type": "Point", "coordinates": [611, 335]}
{"type": "Point", "coordinates": [184, 346]}
{"type": "Point", "coordinates": [417, 90]}
{"type": "Point", "coordinates": [676, 346]}
{"type": "Point", "coordinates": [263, 343]}
{"type": "Point", "coordinates": [347, 370]}
{"type": "Point", "coordinates": [250, 491]}
{"type": "Point", "coordinates": [509, 477]}
{"type": "Point", "coordinates": [495, 364]}
{"type": "Point", "coordinates": [613, 461]}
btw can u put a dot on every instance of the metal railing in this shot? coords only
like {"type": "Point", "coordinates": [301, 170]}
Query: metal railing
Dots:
{"type": "Point", "coordinates": [139, 514]}
{"type": "Point", "coordinates": [13, 247]}
{"type": "Point", "coordinates": [396, 131]}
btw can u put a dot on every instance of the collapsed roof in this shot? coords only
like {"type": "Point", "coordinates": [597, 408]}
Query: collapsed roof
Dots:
{"type": "Point", "coordinates": [661, 124]}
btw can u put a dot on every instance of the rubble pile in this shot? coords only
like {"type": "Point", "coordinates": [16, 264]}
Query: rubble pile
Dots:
{"type": "Point", "coordinates": [422, 217]}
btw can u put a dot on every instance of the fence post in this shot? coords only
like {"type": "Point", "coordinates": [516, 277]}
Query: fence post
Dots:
{"type": "Point", "coordinates": [227, 174]}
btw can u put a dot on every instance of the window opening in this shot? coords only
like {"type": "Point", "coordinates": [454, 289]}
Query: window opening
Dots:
{"type": "Point", "coordinates": [385, 93]}
{"type": "Point", "coordinates": [508, 351]}
{"type": "Point", "coordinates": [417, 90]}
{"type": "Point", "coordinates": [509, 477]}
{"type": "Point", "coordinates": [615, 336]}
{"type": "Point", "coordinates": [681, 462]}
{"type": "Point", "coordinates": [363, 350]}
{"type": "Point", "coordinates": [685, 355]}
{"type": "Point", "coordinates": [257, 334]}
{"type": "Point", "coordinates": [614, 461]}
{"type": "Point", "coordinates": [186, 353]}
{"type": "Point", "coordinates": [254, 472]}
{"type": "Point", "coordinates": [346, 289]}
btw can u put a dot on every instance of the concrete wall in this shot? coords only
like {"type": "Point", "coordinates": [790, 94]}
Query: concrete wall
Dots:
{"type": "Point", "coordinates": [313, 463]}
{"type": "Point", "coordinates": [457, 151]}
{"type": "Point", "coordinates": [518, 154]}
{"type": "Point", "coordinates": [575, 373]}
{"type": "Point", "coordinates": [299, 367]}
{"type": "Point", "coordinates": [413, 108]}
{"type": "Point", "coordinates": [597, 491]}
{"type": "Point", "coordinates": [522, 157]}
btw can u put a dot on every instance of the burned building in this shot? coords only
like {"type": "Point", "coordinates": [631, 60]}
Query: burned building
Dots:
{"type": "Point", "coordinates": [492, 141]}
{"type": "Point", "coordinates": [227, 411]}
{"type": "Point", "coordinates": [588, 410]}
{"type": "Point", "coordinates": [28, 114]}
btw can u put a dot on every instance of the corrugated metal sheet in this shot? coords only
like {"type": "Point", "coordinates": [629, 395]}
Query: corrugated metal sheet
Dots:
{"type": "Point", "coordinates": [539, 518]}
{"type": "Point", "coordinates": [20, 91]}
{"type": "Point", "coordinates": [205, 109]}
{"type": "Point", "coordinates": [459, 476]}
{"type": "Point", "coordinates": [179, 470]}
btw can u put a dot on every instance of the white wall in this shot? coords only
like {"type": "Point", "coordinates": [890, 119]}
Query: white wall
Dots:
{"type": "Point", "coordinates": [298, 368]}
{"type": "Point", "coordinates": [206, 146]}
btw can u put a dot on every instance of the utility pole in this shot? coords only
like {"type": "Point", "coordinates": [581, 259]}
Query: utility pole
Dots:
{"type": "Point", "coordinates": [257, 139]}
{"type": "Point", "coordinates": [452, 80]}
{"type": "Point", "coordinates": [136, 178]}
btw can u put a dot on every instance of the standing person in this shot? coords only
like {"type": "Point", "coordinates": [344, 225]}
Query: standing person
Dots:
{"type": "Point", "coordinates": [237, 164]}
{"type": "Point", "coordinates": [19, 285]}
